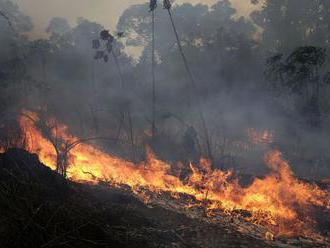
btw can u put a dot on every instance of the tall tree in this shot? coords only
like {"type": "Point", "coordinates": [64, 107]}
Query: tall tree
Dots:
{"type": "Point", "coordinates": [288, 24]}
{"type": "Point", "coordinates": [300, 74]}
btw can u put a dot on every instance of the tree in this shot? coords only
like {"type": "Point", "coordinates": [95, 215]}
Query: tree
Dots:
{"type": "Point", "coordinates": [288, 24]}
{"type": "Point", "coordinates": [14, 81]}
{"type": "Point", "coordinates": [216, 45]}
{"type": "Point", "coordinates": [300, 74]}
{"type": "Point", "coordinates": [58, 26]}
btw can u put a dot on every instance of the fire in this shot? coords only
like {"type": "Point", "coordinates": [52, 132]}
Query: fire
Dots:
{"type": "Point", "coordinates": [280, 201]}
{"type": "Point", "coordinates": [260, 137]}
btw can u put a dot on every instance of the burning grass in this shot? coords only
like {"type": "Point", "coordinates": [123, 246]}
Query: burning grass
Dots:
{"type": "Point", "coordinates": [38, 208]}
{"type": "Point", "coordinates": [284, 204]}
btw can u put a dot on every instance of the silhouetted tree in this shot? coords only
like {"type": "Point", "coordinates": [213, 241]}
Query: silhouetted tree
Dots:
{"type": "Point", "coordinates": [300, 74]}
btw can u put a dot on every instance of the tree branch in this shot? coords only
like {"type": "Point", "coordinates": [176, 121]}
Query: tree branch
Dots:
{"type": "Point", "coordinates": [7, 19]}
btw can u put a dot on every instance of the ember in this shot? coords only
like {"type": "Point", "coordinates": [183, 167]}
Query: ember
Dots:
{"type": "Point", "coordinates": [260, 137]}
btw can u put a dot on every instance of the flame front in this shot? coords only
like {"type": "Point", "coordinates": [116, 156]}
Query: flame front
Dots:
{"type": "Point", "coordinates": [280, 200]}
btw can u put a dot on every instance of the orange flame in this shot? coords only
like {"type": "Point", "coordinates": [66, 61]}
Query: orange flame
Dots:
{"type": "Point", "coordinates": [260, 137]}
{"type": "Point", "coordinates": [279, 200]}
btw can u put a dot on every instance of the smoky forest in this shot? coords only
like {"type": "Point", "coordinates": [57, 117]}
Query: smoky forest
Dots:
{"type": "Point", "coordinates": [165, 124]}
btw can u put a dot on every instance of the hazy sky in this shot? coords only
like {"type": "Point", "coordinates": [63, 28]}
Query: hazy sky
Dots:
{"type": "Point", "coordinates": [105, 12]}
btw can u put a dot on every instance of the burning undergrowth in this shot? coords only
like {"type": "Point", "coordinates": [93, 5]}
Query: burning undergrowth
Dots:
{"type": "Point", "coordinates": [281, 204]}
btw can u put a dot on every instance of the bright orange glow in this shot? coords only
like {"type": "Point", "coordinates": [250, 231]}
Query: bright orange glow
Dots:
{"type": "Point", "coordinates": [260, 137]}
{"type": "Point", "coordinates": [279, 201]}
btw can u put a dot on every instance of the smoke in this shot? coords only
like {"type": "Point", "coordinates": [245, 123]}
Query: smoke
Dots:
{"type": "Point", "coordinates": [102, 11]}
{"type": "Point", "coordinates": [62, 78]}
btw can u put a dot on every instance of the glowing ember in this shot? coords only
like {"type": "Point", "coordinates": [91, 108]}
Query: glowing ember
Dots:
{"type": "Point", "coordinates": [279, 201]}
{"type": "Point", "coordinates": [260, 137]}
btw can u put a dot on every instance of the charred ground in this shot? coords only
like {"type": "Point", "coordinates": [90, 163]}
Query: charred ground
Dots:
{"type": "Point", "coordinates": [39, 208]}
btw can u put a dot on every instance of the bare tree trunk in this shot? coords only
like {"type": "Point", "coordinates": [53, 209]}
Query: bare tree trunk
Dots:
{"type": "Point", "coordinates": [194, 88]}
{"type": "Point", "coordinates": [94, 104]}
{"type": "Point", "coordinates": [127, 106]}
{"type": "Point", "coordinates": [153, 128]}
{"type": "Point", "coordinates": [121, 122]}
{"type": "Point", "coordinates": [131, 130]}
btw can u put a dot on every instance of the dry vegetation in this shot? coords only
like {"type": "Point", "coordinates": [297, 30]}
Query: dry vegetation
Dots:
{"type": "Point", "coordinates": [38, 208]}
